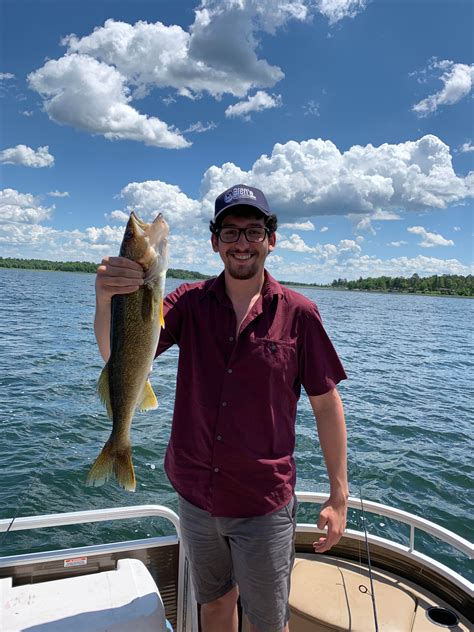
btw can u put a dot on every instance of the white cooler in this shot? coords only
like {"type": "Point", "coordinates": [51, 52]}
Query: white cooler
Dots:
{"type": "Point", "coordinates": [123, 600]}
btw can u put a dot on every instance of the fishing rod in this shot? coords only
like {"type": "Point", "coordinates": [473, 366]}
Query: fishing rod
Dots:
{"type": "Point", "coordinates": [372, 591]}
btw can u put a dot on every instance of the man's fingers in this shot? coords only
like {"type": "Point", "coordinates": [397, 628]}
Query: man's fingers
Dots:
{"type": "Point", "coordinates": [122, 262]}
{"type": "Point", "coordinates": [120, 271]}
{"type": "Point", "coordinates": [119, 282]}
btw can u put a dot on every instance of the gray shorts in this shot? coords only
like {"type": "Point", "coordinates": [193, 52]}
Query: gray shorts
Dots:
{"type": "Point", "coordinates": [257, 554]}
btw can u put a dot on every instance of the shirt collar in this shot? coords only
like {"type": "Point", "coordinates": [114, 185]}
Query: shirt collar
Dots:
{"type": "Point", "coordinates": [270, 287]}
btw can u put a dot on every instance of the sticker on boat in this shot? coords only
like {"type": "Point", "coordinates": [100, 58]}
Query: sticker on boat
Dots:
{"type": "Point", "coordinates": [75, 561]}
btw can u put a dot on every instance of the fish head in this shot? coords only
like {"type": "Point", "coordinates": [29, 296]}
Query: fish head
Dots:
{"type": "Point", "coordinates": [145, 243]}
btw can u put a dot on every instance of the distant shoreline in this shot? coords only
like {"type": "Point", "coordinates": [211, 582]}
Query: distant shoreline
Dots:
{"type": "Point", "coordinates": [464, 289]}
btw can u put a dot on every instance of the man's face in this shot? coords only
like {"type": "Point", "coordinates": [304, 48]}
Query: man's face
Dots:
{"type": "Point", "coordinates": [243, 259]}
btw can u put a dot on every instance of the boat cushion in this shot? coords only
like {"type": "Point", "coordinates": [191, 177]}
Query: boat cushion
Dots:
{"type": "Point", "coordinates": [331, 594]}
{"type": "Point", "coordinates": [123, 600]}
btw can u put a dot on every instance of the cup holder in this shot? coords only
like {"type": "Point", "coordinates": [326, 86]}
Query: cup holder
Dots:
{"type": "Point", "coordinates": [442, 617]}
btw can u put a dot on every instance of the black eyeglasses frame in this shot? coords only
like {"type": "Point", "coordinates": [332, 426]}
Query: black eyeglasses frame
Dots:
{"type": "Point", "coordinates": [244, 231]}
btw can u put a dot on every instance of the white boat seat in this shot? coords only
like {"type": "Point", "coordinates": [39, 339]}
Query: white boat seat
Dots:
{"type": "Point", "coordinates": [332, 596]}
{"type": "Point", "coordinates": [122, 600]}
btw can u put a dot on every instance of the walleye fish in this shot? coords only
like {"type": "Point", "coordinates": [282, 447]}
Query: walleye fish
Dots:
{"type": "Point", "coordinates": [136, 322]}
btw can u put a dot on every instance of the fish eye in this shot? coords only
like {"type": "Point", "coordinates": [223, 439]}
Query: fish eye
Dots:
{"type": "Point", "coordinates": [128, 233]}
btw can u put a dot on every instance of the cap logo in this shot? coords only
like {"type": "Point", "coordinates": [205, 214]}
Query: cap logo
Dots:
{"type": "Point", "coordinates": [237, 193]}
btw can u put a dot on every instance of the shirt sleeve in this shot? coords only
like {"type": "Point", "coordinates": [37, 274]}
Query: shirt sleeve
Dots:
{"type": "Point", "coordinates": [319, 365]}
{"type": "Point", "coordinates": [173, 311]}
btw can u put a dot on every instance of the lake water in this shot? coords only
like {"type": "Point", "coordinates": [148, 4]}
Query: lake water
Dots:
{"type": "Point", "coordinates": [408, 404]}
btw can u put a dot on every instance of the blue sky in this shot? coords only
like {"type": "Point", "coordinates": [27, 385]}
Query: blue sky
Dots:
{"type": "Point", "coordinates": [354, 117]}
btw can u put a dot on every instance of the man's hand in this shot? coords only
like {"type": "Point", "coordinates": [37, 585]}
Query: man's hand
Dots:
{"type": "Point", "coordinates": [117, 275]}
{"type": "Point", "coordinates": [333, 515]}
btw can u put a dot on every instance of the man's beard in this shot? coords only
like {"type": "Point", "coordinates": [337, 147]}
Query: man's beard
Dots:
{"type": "Point", "coordinates": [243, 273]}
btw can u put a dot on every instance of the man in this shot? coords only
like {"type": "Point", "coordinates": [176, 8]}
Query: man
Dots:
{"type": "Point", "coordinates": [247, 344]}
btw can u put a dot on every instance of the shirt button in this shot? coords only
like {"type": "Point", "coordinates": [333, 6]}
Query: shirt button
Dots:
{"type": "Point", "coordinates": [219, 437]}
{"type": "Point", "coordinates": [224, 403]}
{"type": "Point", "coordinates": [216, 469]}
{"type": "Point", "coordinates": [229, 370]}
{"type": "Point", "coordinates": [231, 338]}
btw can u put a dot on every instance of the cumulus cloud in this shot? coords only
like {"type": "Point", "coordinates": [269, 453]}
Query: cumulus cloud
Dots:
{"type": "Point", "coordinates": [27, 157]}
{"type": "Point", "coordinates": [336, 10]}
{"type": "Point", "coordinates": [153, 196]}
{"type": "Point", "coordinates": [308, 225]}
{"type": "Point", "coordinates": [397, 244]}
{"type": "Point", "coordinates": [295, 243]}
{"type": "Point", "coordinates": [323, 229]}
{"type": "Point", "coordinates": [429, 240]}
{"type": "Point", "coordinates": [93, 85]}
{"type": "Point", "coordinates": [466, 147]}
{"type": "Point", "coordinates": [118, 216]}
{"type": "Point", "coordinates": [457, 82]}
{"type": "Point", "coordinates": [22, 208]}
{"type": "Point", "coordinates": [313, 178]}
{"type": "Point", "coordinates": [327, 267]}
{"type": "Point", "coordinates": [90, 95]}
{"type": "Point", "coordinates": [6, 76]}
{"type": "Point", "coordinates": [256, 103]}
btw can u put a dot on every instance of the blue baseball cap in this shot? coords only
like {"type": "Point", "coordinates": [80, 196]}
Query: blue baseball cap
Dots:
{"type": "Point", "coordinates": [241, 195]}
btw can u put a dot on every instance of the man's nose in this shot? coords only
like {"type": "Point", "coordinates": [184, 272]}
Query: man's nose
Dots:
{"type": "Point", "coordinates": [242, 240]}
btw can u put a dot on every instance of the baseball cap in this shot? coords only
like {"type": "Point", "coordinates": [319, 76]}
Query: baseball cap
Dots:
{"type": "Point", "coordinates": [238, 195]}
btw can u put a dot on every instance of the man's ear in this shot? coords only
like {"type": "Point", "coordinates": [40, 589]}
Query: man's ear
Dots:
{"type": "Point", "coordinates": [214, 242]}
{"type": "Point", "coordinates": [271, 241]}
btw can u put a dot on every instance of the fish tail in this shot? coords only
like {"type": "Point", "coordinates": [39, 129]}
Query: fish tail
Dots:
{"type": "Point", "coordinates": [113, 462]}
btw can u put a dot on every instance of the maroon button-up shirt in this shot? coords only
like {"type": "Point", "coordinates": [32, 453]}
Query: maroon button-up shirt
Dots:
{"type": "Point", "coordinates": [233, 434]}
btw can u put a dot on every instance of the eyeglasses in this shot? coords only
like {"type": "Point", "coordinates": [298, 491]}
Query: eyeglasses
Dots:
{"type": "Point", "coordinates": [253, 234]}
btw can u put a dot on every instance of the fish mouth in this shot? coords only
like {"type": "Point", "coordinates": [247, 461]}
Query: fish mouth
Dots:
{"type": "Point", "coordinates": [156, 231]}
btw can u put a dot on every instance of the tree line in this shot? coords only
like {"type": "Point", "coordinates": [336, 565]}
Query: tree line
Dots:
{"type": "Point", "coordinates": [82, 266]}
{"type": "Point", "coordinates": [449, 284]}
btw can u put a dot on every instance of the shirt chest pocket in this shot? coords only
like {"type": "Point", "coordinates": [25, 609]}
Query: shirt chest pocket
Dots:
{"type": "Point", "coordinates": [273, 358]}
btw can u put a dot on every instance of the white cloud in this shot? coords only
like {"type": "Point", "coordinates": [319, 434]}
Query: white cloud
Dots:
{"type": "Point", "coordinates": [466, 147]}
{"type": "Point", "coordinates": [308, 225]}
{"type": "Point", "coordinates": [5, 76]}
{"type": "Point", "coordinates": [199, 127]}
{"type": "Point", "coordinates": [327, 268]}
{"type": "Point", "coordinates": [27, 157]}
{"type": "Point", "coordinates": [397, 244]}
{"type": "Point", "coordinates": [429, 240]}
{"type": "Point", "coordinates": [336, 10]}
{"type": "Point", "coordinates": [59, 194]}
{"type": "Point", "coordinates": [27, 113]}
{"type": "Point", "coordinates": [93, 85]}
{"type": "Point", "coordinates": [313, 178]}
{"type": "Point", "coordinates": [256, 103]}
{"type": "Point", "coordinates": [153, 196]}
{"type": "Point", "coordinates": [296, 244]}
{"type": "Point", "coordinates": [456, 228]}
{"type": "Point", "coordinates": [311, 109]}
{"type": "Point", "coordinates": [457, 83]}
{"type": "Point", "coordinates": [22, 208]}
{"type": "Point", "coordinates": [90, 95]}
{"type": "Point", "coordinates": [323, 229]}
{"type": "Point", "coordinates": [118, 216]}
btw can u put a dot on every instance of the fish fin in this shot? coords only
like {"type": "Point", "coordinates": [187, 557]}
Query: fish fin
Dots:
{"type": "Point", "coordinates": [104, 391]}
{"type": "Point", "coordinates": [110, 462]}
{"type": "Point", "coordinates": [162, 318]}
{"type": "Point", "coordinates": [148, 401]}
